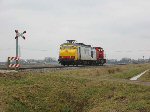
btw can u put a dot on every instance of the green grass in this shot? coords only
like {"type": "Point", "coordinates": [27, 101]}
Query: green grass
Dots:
{"type": "Point", "coordinates": [83, 90]}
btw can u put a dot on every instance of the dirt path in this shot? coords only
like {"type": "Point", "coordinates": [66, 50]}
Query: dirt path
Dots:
{"type": "Point", "coordinates": [138, 76]}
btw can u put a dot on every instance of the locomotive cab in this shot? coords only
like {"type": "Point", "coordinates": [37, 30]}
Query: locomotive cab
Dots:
{"type": "Point", "coordinates": [100, 55]}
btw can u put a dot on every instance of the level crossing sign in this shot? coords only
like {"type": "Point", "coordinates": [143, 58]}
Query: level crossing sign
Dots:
{"type": "Point", "coordinates": [20, 34]}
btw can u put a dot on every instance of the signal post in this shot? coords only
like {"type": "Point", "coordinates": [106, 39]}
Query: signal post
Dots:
{"type": "Point", "coordinates": [17, 65]}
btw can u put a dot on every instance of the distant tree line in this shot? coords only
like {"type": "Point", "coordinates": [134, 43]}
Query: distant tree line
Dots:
{"type": "Point", "coordinates": [127, 61]}
{"type": "Point", "coordinates": [46, 60]}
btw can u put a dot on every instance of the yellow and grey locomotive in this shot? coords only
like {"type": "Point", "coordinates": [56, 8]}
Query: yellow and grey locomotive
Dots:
{"type": "Point", "coordinates": [72, 53]}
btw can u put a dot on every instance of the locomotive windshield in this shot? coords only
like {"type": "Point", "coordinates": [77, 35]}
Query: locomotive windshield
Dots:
{"type": "Point", "coordinates": [68, 47]}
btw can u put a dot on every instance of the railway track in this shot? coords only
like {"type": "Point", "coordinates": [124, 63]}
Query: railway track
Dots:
{"type": "Point", "coordinates": [39, 67]}
{"type": "Point", "coordinates": [48, 67]}
{"type": "Point", "coordinates": [32, 67]}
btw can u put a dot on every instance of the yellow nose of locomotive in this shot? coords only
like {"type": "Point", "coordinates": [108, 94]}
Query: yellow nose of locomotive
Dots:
{"type": "Point", "coordinates": [68, 52]}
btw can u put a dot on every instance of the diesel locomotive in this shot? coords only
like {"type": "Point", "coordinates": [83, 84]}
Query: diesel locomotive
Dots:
{"type": "Point", "coordinates": [73, 53]}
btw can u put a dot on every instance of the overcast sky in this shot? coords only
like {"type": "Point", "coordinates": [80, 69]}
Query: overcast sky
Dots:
{"type": "Point", "coordinates": [121, 27]}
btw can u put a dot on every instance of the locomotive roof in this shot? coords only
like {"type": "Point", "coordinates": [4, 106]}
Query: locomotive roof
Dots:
{"type": "Point", "coordinates": [77, 44]}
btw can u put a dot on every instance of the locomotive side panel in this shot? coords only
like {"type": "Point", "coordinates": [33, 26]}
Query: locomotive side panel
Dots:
{"type": "Point", "coordinates": [85, 53]}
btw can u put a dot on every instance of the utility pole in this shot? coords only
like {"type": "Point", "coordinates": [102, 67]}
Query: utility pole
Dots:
{"type": "Point", "coordinates": [17, 49]}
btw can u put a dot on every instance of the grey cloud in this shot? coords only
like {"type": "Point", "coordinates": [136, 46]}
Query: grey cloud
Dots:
{"type": "Point", "coordinates": [112, 24]}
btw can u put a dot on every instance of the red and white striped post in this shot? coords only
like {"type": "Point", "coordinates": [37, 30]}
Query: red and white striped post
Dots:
{"type": "Point", "coordinates": [13, 65]}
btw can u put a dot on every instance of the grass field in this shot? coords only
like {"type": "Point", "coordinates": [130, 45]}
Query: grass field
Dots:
{"type": "Point", "coordinates": [99, 89]}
